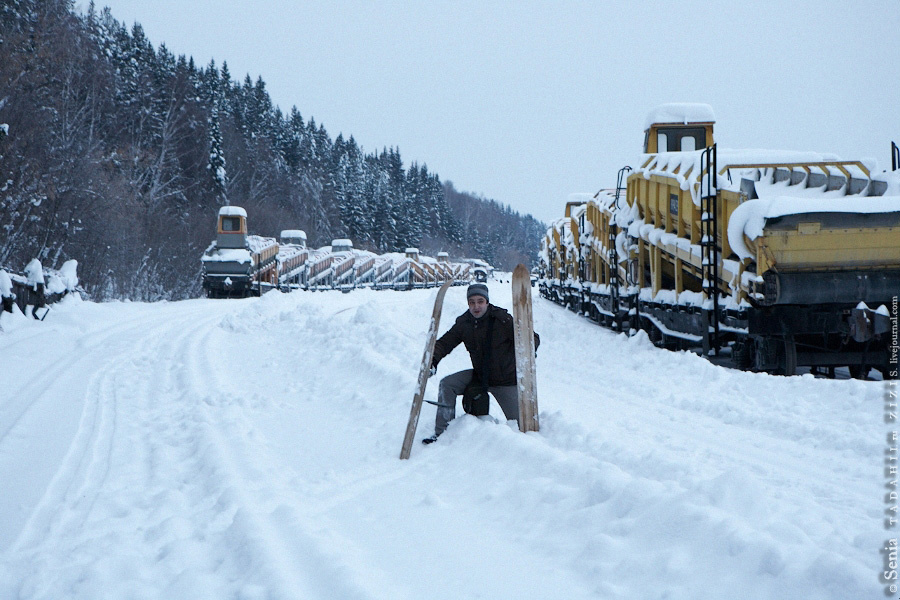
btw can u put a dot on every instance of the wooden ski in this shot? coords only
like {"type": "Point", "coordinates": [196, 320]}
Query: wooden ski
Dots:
{"type": "Point", "coordinates": [423, 372]}
{"type": "Point", "coordinates": [523, 326]}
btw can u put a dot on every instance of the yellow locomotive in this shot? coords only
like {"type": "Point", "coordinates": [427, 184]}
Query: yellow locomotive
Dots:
{"type": "Point", "coordinates": [778, 259]}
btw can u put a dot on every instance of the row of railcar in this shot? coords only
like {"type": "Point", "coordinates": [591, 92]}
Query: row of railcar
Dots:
{"type": "Point", "coordinates": [237, 264]}
{"type": "Point", "coordinates": [770, 260]}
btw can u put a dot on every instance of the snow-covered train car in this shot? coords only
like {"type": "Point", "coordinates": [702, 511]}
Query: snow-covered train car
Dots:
{"type": "Point", "coordinates": [365, 267]}
{"type": "Point", "coordinates": [293, 257]}
{"type": "Point", "coordinates": [237, 264]}
{"type": "Point", "coordinates": [343, 264]}
{"type": "Point", "coordinates": [782, 259]}
{"type": "Point", "coordinates": [383, 276]}
{"type": "Point", "coordinates": [321, 272]}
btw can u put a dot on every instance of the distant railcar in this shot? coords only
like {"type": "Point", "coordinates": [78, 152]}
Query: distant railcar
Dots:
{"type": "Point", "coordinates": [293, 259]}
{"type": "Point", "coordinates": [237, 264]}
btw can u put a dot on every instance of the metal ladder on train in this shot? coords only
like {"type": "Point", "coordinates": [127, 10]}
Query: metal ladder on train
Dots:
{"type": "Point", "coordinates": [708, 243]}
{"type": "Point", "coordinates": [613, 255]}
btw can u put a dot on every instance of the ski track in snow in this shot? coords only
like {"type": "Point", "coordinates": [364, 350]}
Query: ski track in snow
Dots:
{"type": "Point", "coordinates": [248, 449]}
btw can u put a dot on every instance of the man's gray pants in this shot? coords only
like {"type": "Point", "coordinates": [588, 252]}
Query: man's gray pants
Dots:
{"type": "Point", "coordinates": [454, 385]}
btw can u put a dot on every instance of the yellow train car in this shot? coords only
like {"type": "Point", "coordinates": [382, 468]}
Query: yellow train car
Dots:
{"type": "Point", "coordinates": [779, 259]}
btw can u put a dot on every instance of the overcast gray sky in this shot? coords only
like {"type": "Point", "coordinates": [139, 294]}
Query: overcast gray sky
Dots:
{"type": "Point", "coordinates": [527, 101]}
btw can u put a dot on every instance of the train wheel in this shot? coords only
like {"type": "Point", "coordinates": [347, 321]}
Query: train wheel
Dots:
{"type": "Point", "coordinates": [742, 355]}
{"type": "Point", "coordinates": [790, 356]}
{"type": "Point", "coordinates": [859, 371]}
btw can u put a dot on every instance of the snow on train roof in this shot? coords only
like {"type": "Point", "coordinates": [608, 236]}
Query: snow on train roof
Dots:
{"type": "Point", "coordinates": [286, 251]}
{"type": "Point", "coordinates": [293, 233]}
{"type": "Point", "coordinates": [584, 197]}
{"type": "Point", "coordinates": [258, 243]}
{"type": "Point", "coordinates": [749, 219]}
{"type": "Point", "coordinates": [232, 211]}
{"type": "Point", "coordinates": [681, 113]}
{"type": "Point", "coordinates": [238, 255]}
{"type": "Point", "coordinates": [678, 164]}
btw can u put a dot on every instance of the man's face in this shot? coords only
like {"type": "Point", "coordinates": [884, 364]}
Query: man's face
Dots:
{"type": "Point", "coordinates": [477, 305]}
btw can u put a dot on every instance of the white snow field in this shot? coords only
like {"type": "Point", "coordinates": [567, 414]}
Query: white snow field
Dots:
{"type": "Point", "coordinates": [248, 449]}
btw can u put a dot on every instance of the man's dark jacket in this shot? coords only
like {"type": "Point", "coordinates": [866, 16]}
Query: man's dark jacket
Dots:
{"type": "Point", "coordinates": [473, 333]}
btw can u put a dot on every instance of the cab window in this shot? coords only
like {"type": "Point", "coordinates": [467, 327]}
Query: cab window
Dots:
{"type": "Point", "coordinates": [680, 139]}
{"type": "Point", "coordinates": [231, 224]}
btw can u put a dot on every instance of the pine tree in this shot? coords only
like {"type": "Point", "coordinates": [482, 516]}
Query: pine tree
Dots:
{"type": "Point", "coordinates": [216, 164]}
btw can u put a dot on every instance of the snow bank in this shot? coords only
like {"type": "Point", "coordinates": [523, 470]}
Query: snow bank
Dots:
{"type": "Point", "coordinates": [248, 449]}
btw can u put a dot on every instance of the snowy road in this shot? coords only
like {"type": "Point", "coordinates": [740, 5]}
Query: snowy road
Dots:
{"type": "Point", "coordinates": [248, 449]}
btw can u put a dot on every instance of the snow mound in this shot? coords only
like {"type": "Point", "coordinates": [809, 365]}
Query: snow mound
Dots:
{"type": "Point", "coordinates": [249, 449]}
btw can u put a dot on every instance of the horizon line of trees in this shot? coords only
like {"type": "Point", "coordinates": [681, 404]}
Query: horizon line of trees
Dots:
{"type": "Point", "coordinates": [118, 154]}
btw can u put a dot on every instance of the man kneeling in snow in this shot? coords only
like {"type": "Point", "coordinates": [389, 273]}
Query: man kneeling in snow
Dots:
{"type": "Point", "coordinates": [487, 332]}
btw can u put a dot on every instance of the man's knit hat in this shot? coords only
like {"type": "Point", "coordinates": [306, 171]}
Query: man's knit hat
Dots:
{"type": "Point", "coordinates": [477, 289]}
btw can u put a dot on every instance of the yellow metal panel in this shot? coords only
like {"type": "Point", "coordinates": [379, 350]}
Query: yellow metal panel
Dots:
{"type": "Point", "coordinates": [841, 248]}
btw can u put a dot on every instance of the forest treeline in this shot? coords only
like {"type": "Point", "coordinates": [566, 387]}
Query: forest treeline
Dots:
{"type": "Point", "coordinates": [118, 154]}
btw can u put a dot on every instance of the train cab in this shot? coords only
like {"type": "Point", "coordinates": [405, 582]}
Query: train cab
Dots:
{"type": "Point", "coordinates": [293, 237]}
{"type": "Point", "coordinates": [679, 127]}
{"type": "Point", "coordinates": [232, 228]}
{"type": "Point", "coordinates": [341, 245]}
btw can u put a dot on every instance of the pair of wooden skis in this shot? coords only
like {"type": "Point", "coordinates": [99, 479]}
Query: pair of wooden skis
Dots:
{"type": "Point", "coordinates": [524, 340]}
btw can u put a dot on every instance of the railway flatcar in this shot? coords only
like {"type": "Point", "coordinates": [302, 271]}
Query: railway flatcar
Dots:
{"type": "Point", "coordinates": [365, 267]}
{"type": "Point", "coordinates": [293, 259]}
{"type": "Point", "coordinates": [321, 269]}
{"type": "Point", "coordinates": [772, 259]}
{"type": "Point", "coordinates": [237, 264]}
{"type": "Point", "coordinates": [344, 263]}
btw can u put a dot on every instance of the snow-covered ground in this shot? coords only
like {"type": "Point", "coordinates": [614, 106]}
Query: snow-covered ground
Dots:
{"type": "Point", "coordinates": [248, 449]}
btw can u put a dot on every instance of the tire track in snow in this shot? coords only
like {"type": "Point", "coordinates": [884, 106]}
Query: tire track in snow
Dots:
{"type": "Point", "coordinates": [44, 417]}
{"type": "Point", "coordinates": [115, 474]}
{"type": "Point", "coordinates": [299, 554]}
{"type": "Point", "coordinates": [87, 455]}
{"type": "Point", "coordinates": [25, 396]}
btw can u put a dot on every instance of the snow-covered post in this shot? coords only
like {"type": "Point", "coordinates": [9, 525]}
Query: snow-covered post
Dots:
{"type": "Point", "coordinates": [35, 273]}
{"type": "Point", "coordinates": [6, 294]}
{"type": "Point", "coordinates": [69, 275]}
